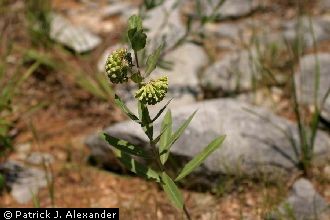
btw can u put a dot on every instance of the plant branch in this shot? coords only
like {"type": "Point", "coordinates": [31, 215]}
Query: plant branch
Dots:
{"type": "Point", "coordinates": [136, 60]}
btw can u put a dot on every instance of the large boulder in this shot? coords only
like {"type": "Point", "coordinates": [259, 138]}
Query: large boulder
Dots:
{"type": "Point", "coordinates": [257, 142]}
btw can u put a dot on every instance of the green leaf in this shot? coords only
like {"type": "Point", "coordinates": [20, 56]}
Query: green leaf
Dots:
{"type": "Point", "coordinates": [198, 160]}
{"type": "Point", "coordinates": [136, 77]}
{"type": "Point", "coordinates": [136, 167]}
{"type": "Point", "coordinates": [135, 21]}
{"type": "Point", "coordinates": [165, 138]}
{"type": "Point", "coordinates": [126, 146]}
{"type": "Point", "coordinates": [161, 111]}
{"type": "Point", "coordinates": [137, 38]}
{"type": "Point", "coordinates": [152, 60]}
{"type": "Point", "coordinates": [179, 132]}
{"type": "Point", "coordinates": [166, 150]}
{"type": "Point", "coordinates": [172, 191]}
{"type": "Point", "coordinates": [155, 141]}
{"type": "Point", "coordinates": [125, 109]}
{"type": "Point", "coordinates": [146, 122]}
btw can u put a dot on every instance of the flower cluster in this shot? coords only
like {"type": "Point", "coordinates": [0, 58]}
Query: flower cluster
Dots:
{"type": "Point", "coordinates": [118, 65]}
{"type": "Point", "coordinates": [152, 92]}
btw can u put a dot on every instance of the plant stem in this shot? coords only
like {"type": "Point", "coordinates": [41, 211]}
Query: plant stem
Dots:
{"type": "Point", "coordinates": [156, 155]}
{"type": "Point", "coordinates": [162, 169]}
{"type": "Point", "coordinates": [137, 60]}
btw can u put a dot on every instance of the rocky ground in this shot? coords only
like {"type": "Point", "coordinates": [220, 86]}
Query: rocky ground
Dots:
{"type": "Point", "coordinates": [235, 70]}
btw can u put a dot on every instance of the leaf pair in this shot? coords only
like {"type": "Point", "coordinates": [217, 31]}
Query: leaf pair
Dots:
{"type": "Point", "coordinates": [138, 39]}
{"type": "Point", "coordinates": [125, 150]}
{"type": "Point", "coordinates": [168, 139]}
{"type": "Point", "coordinates": [136, 34]}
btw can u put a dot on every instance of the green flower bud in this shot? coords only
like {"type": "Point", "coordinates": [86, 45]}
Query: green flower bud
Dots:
{"type": "Point", "coordinates": [152, 92]}
{"type": "Point", "coordinates": [117, 66]}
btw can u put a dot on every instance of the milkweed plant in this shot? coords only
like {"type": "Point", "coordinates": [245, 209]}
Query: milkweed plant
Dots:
{"type": "Point", "coordinates": [120, 68]}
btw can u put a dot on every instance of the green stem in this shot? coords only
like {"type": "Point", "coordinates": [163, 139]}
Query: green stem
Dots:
{"type": "Point", "coordinates": [162, 169]}
{"type": "Point", "coordinates": [137, 60]}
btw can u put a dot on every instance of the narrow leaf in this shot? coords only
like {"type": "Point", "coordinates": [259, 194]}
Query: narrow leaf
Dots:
{"type": "Point", "coordinates": [126, 146]}
{"type": "Point", "coordinates": [165, 138]}
{"type": "Point", "coordinates": [179, 132]}
{"type": "Point", "coordinates": [161, 111]}
{"type": "Point", "coordinates": [152, 60]}
{"type": "Point", "coordinates": [198, 160]}
{"type": "Point", "coordinates": [166, 149]}
{"type": "Point", "coordinates": [172, 191]}
{"type": "Point", "coordinates": [136, 167]}
{"type": "Point", "coordinates": [125, 109]}
{"type": "Point", "coordinates": [155, 141]}
{"type": "Point", "coordinates": [146, 122]}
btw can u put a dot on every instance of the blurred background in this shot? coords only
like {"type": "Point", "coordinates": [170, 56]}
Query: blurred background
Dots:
{"type": "Point", "coordinates": [258, 70]}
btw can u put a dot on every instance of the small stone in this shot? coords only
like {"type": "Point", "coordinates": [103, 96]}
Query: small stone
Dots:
{"type": "Point", "coordinates": [23, 181]}
{"type": "Point", "coordinates": [77, 38]}
{"type": "Point", "coordinates": [304, 202]}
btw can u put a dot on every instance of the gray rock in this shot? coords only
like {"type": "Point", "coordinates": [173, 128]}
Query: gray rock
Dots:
{"type": "Point", "coordinates": [304, 203]}
{"type": "Point", "coordinates": [320, 31]}
{"type": "Point", "coordinates": [253, 144]}
{"type": "Point", "coordinates": [231, 9]}
{"type": "Point", "coordinates": [305, 79]}
{"type": "Point", "coordinates": [187, 61]}
{"type": "Point", "coordinates": [164, 25]}
{"type": "Point", "coordinates": [77, 38]}
{"type": "Point", "coordinates": [23, 181]}
{"type": "Point", "coordinates": [233, 73]}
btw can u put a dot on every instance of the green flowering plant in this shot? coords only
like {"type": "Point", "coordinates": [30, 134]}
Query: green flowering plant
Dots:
{"type": "Point", "coordinates": [119, 69]}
